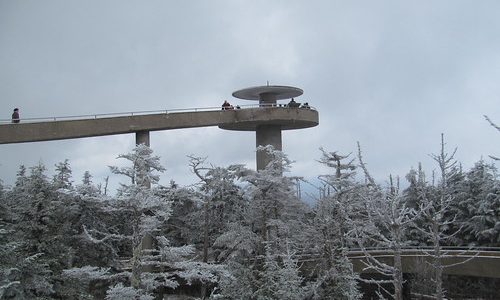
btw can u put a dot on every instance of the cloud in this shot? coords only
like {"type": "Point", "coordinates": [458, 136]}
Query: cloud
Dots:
{"type": "Point", "coordinates": [392, 75]}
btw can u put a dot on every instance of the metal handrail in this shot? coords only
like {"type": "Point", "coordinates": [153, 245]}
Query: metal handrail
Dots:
{"type": "Point", "coordinates": [357, 253]}
{"type": "Point", "coordinates": [443, 248]}
{"type": "Point", "coordinates": [141, 113]}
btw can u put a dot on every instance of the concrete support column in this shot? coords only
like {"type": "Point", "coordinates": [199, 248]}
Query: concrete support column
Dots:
{"type": "Point", "coordinates": [267, 135]}
{"type": "Point", "coordinates": [142, 137]}
{"type": "Point", "coordinates": [267, 99]}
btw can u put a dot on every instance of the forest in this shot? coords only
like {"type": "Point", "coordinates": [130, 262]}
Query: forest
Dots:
{"type": "Point", "coordinates": [242, 234]}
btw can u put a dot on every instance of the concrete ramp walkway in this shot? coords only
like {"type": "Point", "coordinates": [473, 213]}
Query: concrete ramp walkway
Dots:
{"type": "Point", "coordinates": [483, 262]}
{"type": "Point", "coordinates": [99, 125]}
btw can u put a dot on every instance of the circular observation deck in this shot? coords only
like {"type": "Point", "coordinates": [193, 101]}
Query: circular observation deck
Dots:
{"type": "Point", "coordinates": [286, 118]}
{"type": "Point", "coordinates": [270, 113]}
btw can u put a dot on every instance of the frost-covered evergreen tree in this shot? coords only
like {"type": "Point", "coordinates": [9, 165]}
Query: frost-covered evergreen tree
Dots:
{"type": "Point", "coordinates": [181, 225]}
{"type": "Point", "coordinates": [62, 177]}
{"type": "Point", "coordinates": [386, 225]}
{"type": "Point", "coordinates": [39, 241]}
{"type": "Point", "coordinates": [21, 178]}
{"type": "Point", "coordinates": [275, 212]}
{"type": "Point", "coordinates": [221, 204]}
{"type": "Point", "coordinates": [274, 219]}
{"type": "Point", "coordinates": [415, 196]}
{"type": "Point", "coordinates": [279, 278]}
{"type": "Point", "coordinates": [10, 286]}
{"type": "Point", "coordinates": [497, 128]}
{"type": "Point", "coordinates": [477, 206]}
{"type": "Point", "coordinates": [337, 282]}
{"type": "Point", "coordinates": [87, 187]}
{"type": "Point", "coordinates": [438, 215]}
{"type": "Point", "coordinates": [274, 275]}
{"type": "Point", "coordinates": [153, 266]}
{"type": "Point", "coordinates": [334, 213]}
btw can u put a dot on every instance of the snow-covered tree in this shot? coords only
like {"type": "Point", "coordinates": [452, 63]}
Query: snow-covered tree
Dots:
{"type": "Point", "coordinates": [10, 286]}
{"type": "Point", "coordinates": [478, 206]}
{"type": "Point", "coordinates": [143, 171]}
{"type": "Point", "coordinates": [181, 225]}
{"type": "Point", "coordinates": [436, 211]}
{"type": "Point", "coordinates": [337, 282]}
{"type": "Point", "coordinates": [21, 178]}
{"type": "Point", "coordinates": [87, 187]}
{"type": "Point", "coordinates": [388, 222]}
{"type": "Point", "coordinates": [62, 177]}
{"type": "Point", "coordinates": [279, 277]}
{"type": "Point", "coordinates": [275, 211]}
{"type": "Point", "coordinates": [154, 265]}
{"type": "Point", "coordinates": [335, 210]}
{"type": "Point", "coordinates": [222, 202]}
{"type": "Point", "coordinates": [121, 292]}
{"type": "Point", "coordinates": [415, 196]}
{"type": "Point", "coordinates": [334, 213]}
{"type": "Point", "coordinates": [497, 128]}
{"type": "Point", "coordinates": [37, 248]}
{"type": "Point", "coordinates": [386, 225]}
{"type": "Point", "coordinates": [274, 219]}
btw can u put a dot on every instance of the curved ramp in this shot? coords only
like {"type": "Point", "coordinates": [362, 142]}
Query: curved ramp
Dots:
{"type": "Point", "coordinates": [478, 263]}
{"type": "Point", "coordinates": [237, 119]}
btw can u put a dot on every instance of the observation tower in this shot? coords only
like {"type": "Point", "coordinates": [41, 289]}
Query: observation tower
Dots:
{"type": "Point", "coordinates": [267, 119]}
{"type": "Point", "coordinates": [284, 116]}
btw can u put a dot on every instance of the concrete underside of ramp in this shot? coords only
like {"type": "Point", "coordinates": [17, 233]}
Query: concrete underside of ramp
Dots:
{"type": "Point", "coordinates": [469, 263]}
{"type": "Point", "coordinates": [238, 119]}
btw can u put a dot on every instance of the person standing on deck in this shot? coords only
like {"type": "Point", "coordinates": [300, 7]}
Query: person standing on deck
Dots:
{"type": "Point", "coordinates": [15, 115]}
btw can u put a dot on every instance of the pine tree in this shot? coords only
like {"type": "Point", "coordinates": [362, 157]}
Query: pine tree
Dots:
{"type": "Point", "coordinates": [221, 201]}
{"type": "Point", "coordinates": [275, 212]}
{"type": "Point", "coordinates": [477, 206]}
{"type": "Point", "coordinates": [438, 214]}
{"type": "Point", "coordinates": [386, 224]}
{"type": "Point", "coordinates": [497, 128]}
{"type": "Point", "coordinates": [333, 217]}
{"type": "Point", "coordinates": [87, 187]}
{"type": "Point", "coordinates": [415, 196]}
{"type": "Point", "coordinates": [62, 178]}
{"type": "Point", "coordinates": [10, 285]}
{"type": "Point", "coordinates": [274, 218]}
{"type": "Point", "coordinates": [181, 225]}
{"type": "Point", "coordinates": [153, 266]}
{"type": "Point", "coordinates": [40, 248]}
{"type": "Point", "coordinates": [21, 179]}
{"type": "Point", "coordinates": [279, 277]}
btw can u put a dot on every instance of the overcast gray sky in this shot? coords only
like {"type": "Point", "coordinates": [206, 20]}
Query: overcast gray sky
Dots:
{"type": "Point", "coordinates": [392, 75]}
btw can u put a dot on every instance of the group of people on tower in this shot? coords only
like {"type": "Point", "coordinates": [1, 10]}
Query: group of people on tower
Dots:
{"type": "Point", "coordinates": [292, 103]}
{"type": "Point", "coordinates": [226, 105]}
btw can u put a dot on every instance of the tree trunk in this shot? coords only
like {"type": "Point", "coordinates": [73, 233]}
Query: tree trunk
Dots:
{"type": "Point", "coordinates": [205, 234]}
{"type": "Point", "coordinates": [398, 276]}
{"type": "Point", "coordinates": [437, 262]}
{"type": "Point", "coordinates": [398, 267]}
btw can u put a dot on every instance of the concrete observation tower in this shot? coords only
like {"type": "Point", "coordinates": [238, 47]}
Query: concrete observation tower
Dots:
{"type": "Point", "coordinates": [281, 116]}
{"type": "Point", "coordinates": [267, 119]}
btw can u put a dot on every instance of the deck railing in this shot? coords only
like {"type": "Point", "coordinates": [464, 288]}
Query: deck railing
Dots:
{"type": "Point", "coordinates": [141, 113]}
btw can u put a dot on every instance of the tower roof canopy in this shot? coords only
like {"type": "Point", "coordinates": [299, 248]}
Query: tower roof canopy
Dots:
{"type": "Point", "coordinates": [277, 92]}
